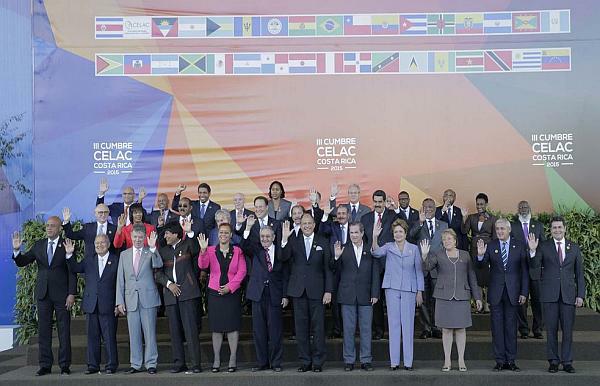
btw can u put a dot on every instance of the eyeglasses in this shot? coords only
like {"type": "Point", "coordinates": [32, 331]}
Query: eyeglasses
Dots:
{"type": "Point", "coordinates": [102, 212]}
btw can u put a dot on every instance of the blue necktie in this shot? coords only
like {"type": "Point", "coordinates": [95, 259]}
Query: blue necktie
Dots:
{"type": "Point", "coordinates": [202, 210]}
{"type": "Point", "coordinates": [50, 252]}
{"type": "Point", "coordinates": [307, 245]}
{"type": "Point", "coordinates": [504, 255]}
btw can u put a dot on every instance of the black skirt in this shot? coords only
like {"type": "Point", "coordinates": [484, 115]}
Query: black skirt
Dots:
{"type": "Point", "coordinates": [224, 311]}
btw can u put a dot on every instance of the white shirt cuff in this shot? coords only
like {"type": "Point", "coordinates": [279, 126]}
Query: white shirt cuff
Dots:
{"type": "Point", "coordinates": [69, 256]}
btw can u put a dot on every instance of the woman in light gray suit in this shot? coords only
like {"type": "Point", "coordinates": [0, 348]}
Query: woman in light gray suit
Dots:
{"type": "Point", "coordinates": [456, 284]}
{"type": "Point", "coordinates": [279, 207]}
{"type": "Point", "coordinates": [403, 284]}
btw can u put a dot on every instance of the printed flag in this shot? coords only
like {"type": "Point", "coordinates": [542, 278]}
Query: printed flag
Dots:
{"type": "Point", "coordinates": [526, 22]}
{"type": "Point", "coordinates": [497, 60]}
{"type": "Point", "coordinates": [246, 63]}
{"type": "Point", "coordinates": [137, 64]}
{"type": "Point", "coordinates": [302, 25]}
{"type": "Point", "coordinates": [442, 24]}
{"type": "Point", "coordinates": [219, 26]}
{"type": "Point", "coordinates": [497, 23]}
{"type": "Point", "coordinates": [246, 26]}
{"type": "Point", "coordinates": [469, 61]}
{"type": "Point", "coordinates": [109, 64]}
{"type": "Point", "coordinates": [301, 63]}
{"type": "Point", "coordinates": [527, 60]}
{"type": "Point", "coordinates": [440, 61]}
{"type": "Point", "coordinates": [385, 62]}
{"type": "Point", "coordinates": [413, 61]}
{"type": "Point", "coordinates": [192, 26]}
{"type": "Point", "coordinates": [556, 59]}
{"type": "Point", "coordinates": [164, 27]}
{"type": "Point", "coordinates": [357, 25]}
{"type": "Point", "coordinates": [355, 62]}
{"type": "Point", "coordinates": [469, 23]}
{"type": "Point", "coordinates": [267, 63]}
{"type": "Point", "coordinates": [281, 64]}
{"type": "Point", "coordinates": [274, 26]}
{"type": "Point", "coordinates": [385, 25]}
{"type": "Point", "coordinates": [413, 24]}
{"type": "Point", "coordinates": [195, 64]}
{"type": "Point", "coordinates": [223, 64]}
{"type": "Point", "coordinates": [555, 21]}
{"type": "Point", "coordinates": [330, 25]}
{"type": "Point", "coordinates": [165, 64]}
{"type": "Point", "coordinates": [109, 28]}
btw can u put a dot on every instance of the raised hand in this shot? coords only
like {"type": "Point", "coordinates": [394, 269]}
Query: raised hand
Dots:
{"type": "Point", "coordinates": [66, 215]}
{"type": "Point", "coordinates": [465, 213]}
{"type": "Point", "coordinates": [103, 186]}
{"type": "Point", "coordinates": [446, 206]}
{"type": "Point", "coordinates": [425, 246]}
{"type": "Point", "coordinates": [187, 225]}
{"type": "Point", "coordinates": [152, 239]}
{"type": "Point", "coordinates": [285, 231]}
{"type": "Point", "coordinates": [328, 208]}
{"type": "Point", "coordinates": [142, 194]}
{"type": "Point", "coordinates": [240, 218]}
{"type": "Point", "coordinates": [69, 246]}
{"type": "Point", "coordinates": [422, 217]}
{"type": "Point", "coordinates": [121, 221]}
{"type": "Point", "coordinates": [312, 196]}
{"type": "Point", "coordinates": [161, 220]}
{"type": "Point", "coordinates": [481, 247]}
{"type": "Point", "coordinates": [335, 190]}
{"type": "Point", "coordinates": [203, 242]}
{"type": "Point", "coordinates": [532, 242]}
{"type": "Point", "coordinates": [250, 220]}
{"type": "Point", "coordinates": [376, 229]}
{"type": "Point", "coordinates": [338, 249]}
{"type": "Point", "coordinates": [180, 189]}
{"type": "Point", "coordinates": [16, 241]}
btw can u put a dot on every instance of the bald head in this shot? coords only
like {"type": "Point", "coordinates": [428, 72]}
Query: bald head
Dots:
{"type": "Point", "coordinates": [53, 227]}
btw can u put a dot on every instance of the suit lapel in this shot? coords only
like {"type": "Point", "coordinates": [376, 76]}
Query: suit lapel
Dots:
{"type": "Point", "coordinates": [96, 268]}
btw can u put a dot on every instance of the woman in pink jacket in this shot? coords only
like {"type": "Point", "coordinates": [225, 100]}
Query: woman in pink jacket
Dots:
{"type": "Point", "coordinates": [227, 268]}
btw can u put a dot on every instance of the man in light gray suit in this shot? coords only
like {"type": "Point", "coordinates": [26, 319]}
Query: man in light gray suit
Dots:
{"type": "Point", "coordinates": [355, 209]}
{"type": "Point", "coordinates": [428, 228]}
{"type": "Point", "coordinates": [137, 296]}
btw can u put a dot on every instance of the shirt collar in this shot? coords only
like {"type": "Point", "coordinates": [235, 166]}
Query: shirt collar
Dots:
{"type": "Point", "coordinates": [55, 240]}
{"type": "Point", "coordinates": [103, 257]}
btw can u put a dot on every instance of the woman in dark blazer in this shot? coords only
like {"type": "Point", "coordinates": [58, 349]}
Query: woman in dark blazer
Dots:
{"type": "Point", "coordinates": [456, 284]}
{"type": "Point", "coordinates": [480, 226]}
{"type": "Point", "coordinates": [227, 267]}
{"type": "Point", "coordinates": [279, 207]}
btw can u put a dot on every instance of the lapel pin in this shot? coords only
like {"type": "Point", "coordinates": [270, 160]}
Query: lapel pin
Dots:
{"type": "Point", "coordinates": [495, 251]}
{"type": "Point", "coordinates": [533, 225]}
{"type": "Point", "coordinates": [514, 246]}
{"type": "Point", "coordinates": [568, 246]}
{"type": "Point", "coordinates": [109, 263]}
{"type": "Point", "coordinates": [364, 253]}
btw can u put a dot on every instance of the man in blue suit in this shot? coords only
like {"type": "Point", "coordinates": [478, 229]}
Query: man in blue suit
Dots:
{"type": "Point", "coordinates": [266, 289]}
{"type": "Point", "coordinates": [100, 271]}
{"type": "Point", "coordinates": [89, 231]}
{"type": "Point", "coordinates": [203, 208]}
{"type": "Point", "coordinates": [508, 289]}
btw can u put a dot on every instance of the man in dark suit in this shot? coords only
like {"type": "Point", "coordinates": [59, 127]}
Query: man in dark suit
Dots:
{"type": "Point", "coordinates": [385, 217]}
{"type": "Point", "coordinates": [314, 197]}
{"type": "Point", "coordinates": [98, 304]}
{"type": "Point", "coordinates": [203, 208]}
{"type": "Point", "coordinates": [118, 208]}
{"type": "Point", "coordinates": [186, 214]}
{"type": "Point", "coordinates": [55, 289]}
{"type": "Point", "coordinates": [452, 215]}
{"type": "Point", "coordinates": [262, 218]}
{"type": "Point", "coordinates": [310, 288]}
{"type": "Point", "coordinates": [357, 291]}
{"type": "Point", "coordinates": [508, 288]}
{"type": "Point", "coordinates": [405, 211]}
{"type": "Point", "coordinates": [355, 209]}
{"type": "Point", "coordinates": [521, 228]}
{"type": "Point", "coordinates": [267, 286]}
{"type": "Point", "coordinates": [164, 214]}
{"type": "Point", "coordinates": [428, 228]}
{"type": "Point", "coordinates": [181, 291]}
{"type": "Point", "coordinates": [562, 288]}
{"type": "Point", "coordinates": [239, 209]}
{"type": "Point", "coordinates": [89, 231]}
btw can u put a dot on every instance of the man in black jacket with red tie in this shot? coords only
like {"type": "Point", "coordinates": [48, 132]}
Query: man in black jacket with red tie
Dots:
{"type": "Point", "coordinates": [55, 290]}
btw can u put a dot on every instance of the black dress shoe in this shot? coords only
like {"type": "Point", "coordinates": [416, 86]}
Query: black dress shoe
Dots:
{"type": "Point", "coordinates": [260, 368]}
{"type": "Point", "coordinates": [232, 369]}
{"type": "Point", "coordinates": [152, 370]}
{"type": "Point", "coordinates": [178, 369]}
{"type": "Point", "coordinates": [277, 369]}
{"type": "Point", "coordinates": [394, 368]}
{"type": "Point", "coordinates": [215, 370]}
{"type": "Point", "coordinates": [553, 368]}
{"type": "Point", "coordinates": [437, 334]}
{"type": "Point", "coordinates": [366, 367]}
{"type": "Point", "coordinates": [498, 367]}
{"type": "Point", "coordinates": [197, 370]}
{"type": "Point", "coordinates": [91, 371]}
{"type": "Point", "coordinates": [377, 336]}
{"type": "Point", "coordinates": [317, 369]}
{"type": "Point", "coordinates": [292, 337]}
{"type": "Point", "coordinates": [43, 371]}
{"type": "Point", "coordinates": [65, 371]}
{"type": "Point", "coordinates": [409, 368]}
{"type": "Point", "coordinates": [132, 370]}
{"type": "Point", "coordinates": [334, 335]}
{"type": "Point", "coordinates": [513, 367]}
{"type": "Point", "coordinates": [348, 367]}
{"type": "Point", "coordinates": [524, 336]}
{"type": "Point", "coordinates": [569, 369]}
{"type": "Point", "coordinates": [538, 336]}
{"type": "Point", "coordinates": [304, 368]}
{"type": "Point", "coordinates": [425, 334]}
{"type": "Point", "coordinates": [110, 371]}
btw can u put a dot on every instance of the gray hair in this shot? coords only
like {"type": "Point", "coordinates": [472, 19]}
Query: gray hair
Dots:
{"type": "Point", "coordinates": [503, 221]}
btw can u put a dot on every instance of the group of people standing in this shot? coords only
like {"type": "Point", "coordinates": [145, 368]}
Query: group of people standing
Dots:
{"type": "Point", "coordinates": [348, 256]}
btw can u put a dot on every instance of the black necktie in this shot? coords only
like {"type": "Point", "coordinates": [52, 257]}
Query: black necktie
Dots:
{"type": "Point", "coordinates": [353, 212]}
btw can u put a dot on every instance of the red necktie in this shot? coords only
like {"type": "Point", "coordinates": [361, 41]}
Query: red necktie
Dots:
{"type": "Point", "coordinates": [268, 259]}
{"type": "Point", "coordinates": [379, 219]}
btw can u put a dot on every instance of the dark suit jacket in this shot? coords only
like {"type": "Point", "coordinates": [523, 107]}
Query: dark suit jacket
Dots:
{"type": "Point", "coordinates": [357, 285]}
{"type": "Point", "coordinates": [311, 274]}
{"type": "Point", "coordinates": [186, 267]}
{"type": "Point", "coordinates": [259, 274]}
{"type": "Point", "coordinates": [413, 217]}
{"type": "Point", "coordinates": [420, 232]}
{"type": "Point", "coordinates": [332, 230]}
{"type": "Point", "coordinates": [536, 228]}
{"type": "Point", "coordinates": [155, 214]}
{"type": "Point", "coordinates": [455, 224]}
{"type": "Point", "coordinates": [209, 212]}
{"type": "Point", "coordinates": [100, 291]}
{"type": "Point", "coordinates": [254, 237]}
{"type": "Point", "coordinates": [87, 233]}
{"type": "Point", "coordinates": [486, 233]}
{"type": "Point", "coordinates": [55, 281]}
{"type": "Point", "coordinates": [566, 281]}
{"type": "Point", "coordinates": [362, 210]}
{"type": "Point", "coordinates": [317, 214]}
{"type": "Point", "coordinates": [116, 209]}
{"type": "Point", "coordinates": [386, 235]}
{"type": "Point", "coordinates": [516, 276]}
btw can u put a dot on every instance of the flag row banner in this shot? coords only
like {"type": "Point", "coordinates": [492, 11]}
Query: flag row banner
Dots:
{"type": "Point", "coordinates": [320, 63]}
{"type": "Point", "coordinates": [396, 24]}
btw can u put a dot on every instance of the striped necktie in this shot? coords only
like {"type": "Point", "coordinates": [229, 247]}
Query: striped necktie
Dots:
{"type": "Point", "coordinates": [504, 255]}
